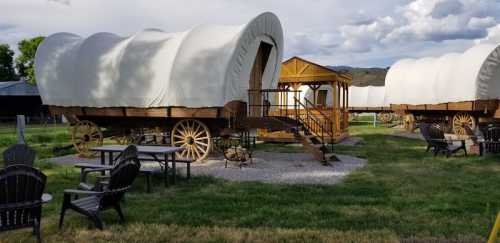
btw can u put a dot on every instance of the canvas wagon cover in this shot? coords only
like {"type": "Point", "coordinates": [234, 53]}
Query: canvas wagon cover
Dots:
{"type": "Point", "coordinates": [455, 77]}
{"type": "Point", "coordinates": [368, 96]}
{"type": "Point", "coordinates": [207, 66]}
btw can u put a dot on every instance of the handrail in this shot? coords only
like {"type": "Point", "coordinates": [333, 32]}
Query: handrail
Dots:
{"type": "Point", "coordinates": [315, 107]}
{"type": "Point", "coordinates": [311, 117]}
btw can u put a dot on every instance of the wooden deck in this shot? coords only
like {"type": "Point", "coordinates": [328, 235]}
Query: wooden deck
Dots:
{"type": "Point", "coordinates": [288, 137]}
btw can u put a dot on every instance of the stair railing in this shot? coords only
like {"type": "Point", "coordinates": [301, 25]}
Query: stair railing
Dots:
{"type": "Point", "coordinates": [320, 126]}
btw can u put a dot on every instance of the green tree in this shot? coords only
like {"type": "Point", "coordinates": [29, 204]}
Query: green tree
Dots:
{"type": "Point", "coordinates": [25, 62]}
{"type": "Point", "coordinates": [7, 71]}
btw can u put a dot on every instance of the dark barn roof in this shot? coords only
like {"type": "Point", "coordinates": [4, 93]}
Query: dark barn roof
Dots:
{"type": "Point", "coordinates": [18, 88]}
{"type": "Point", "coordinates": [22, 99]}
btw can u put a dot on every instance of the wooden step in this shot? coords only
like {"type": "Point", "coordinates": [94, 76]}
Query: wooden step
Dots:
{"type": "Point", "coordinates": [309, 136]}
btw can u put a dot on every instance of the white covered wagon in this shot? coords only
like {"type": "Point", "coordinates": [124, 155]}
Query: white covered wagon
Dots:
{"type": "Point", "coordinates": [189, 84]}
{"type": "Point", "coordinates": [370, 99]}
{"type": "Point", "coordinates": [458, 89]}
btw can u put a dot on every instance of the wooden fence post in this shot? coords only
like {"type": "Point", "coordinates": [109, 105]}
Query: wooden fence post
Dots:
{"type": "Point", "coordinates": [21, 124]}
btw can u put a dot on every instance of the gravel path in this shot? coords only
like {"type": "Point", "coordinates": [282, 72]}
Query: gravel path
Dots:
{"type": "Point", "coordinates": [269, 167]}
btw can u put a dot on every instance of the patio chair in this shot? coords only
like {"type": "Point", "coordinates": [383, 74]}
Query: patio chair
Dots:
{"type": "Point", "coordinates": [436, 140]}
{"type": "Point", "coordinates": [21, 189]}
{"type": "Point", "coordinates": [492, 140]}
{"type": "Point", "coordinates": [130, 153]}
{"type": "Point", "coordinates": [425, 130]}
{"type": "Point", "coordinates": [19, 154]}
{"type": "Point", "coordinates": [94, 202]}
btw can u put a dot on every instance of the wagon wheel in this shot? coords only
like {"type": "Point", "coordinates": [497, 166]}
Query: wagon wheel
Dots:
{"type": "Point", "coordinates": [194, 136]}
{"type": "Point", "coordinates": [460, 120]}
{"type": "Point", "coordinates": [86, 135]}
{"type": "Point", "coordinates": [385, 117]}
{"type": "Point", "coordinates": [124, 139]}
{"type": "Point", "coordinates": [409, 122]}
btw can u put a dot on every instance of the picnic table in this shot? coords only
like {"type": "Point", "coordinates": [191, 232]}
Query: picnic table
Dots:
{"type": "Point", "coordinates": [159, 154]}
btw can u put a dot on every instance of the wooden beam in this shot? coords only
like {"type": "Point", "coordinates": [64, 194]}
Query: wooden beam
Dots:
{"type": "Point", "coordinates": [184, 112]}
{"type": "Point", "coordinates": [303, 68]}
{"type": "Point", "coordinates": [146, 112]}
{"type": "Point", "coordinates": [108, 111]}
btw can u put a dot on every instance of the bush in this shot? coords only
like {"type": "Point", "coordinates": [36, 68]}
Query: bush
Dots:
{"type": "Point", "coordinates": [6, 141]}
{"type": "Point", "coordinates": [40, 138]}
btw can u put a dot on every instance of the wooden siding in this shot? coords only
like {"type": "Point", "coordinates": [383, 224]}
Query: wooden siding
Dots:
{"type": "Point", "coordinates": [299, 70]}
{"type": "Point", "coordinates": [172, 112]}
{"type": "Point", "coordinates": [478, 105]}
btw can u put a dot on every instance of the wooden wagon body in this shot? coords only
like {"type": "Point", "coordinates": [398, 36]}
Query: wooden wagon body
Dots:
{"type": "Point", "coordinates": [455, 115]}
{"type": "Point", "coordinates": [193, 128]}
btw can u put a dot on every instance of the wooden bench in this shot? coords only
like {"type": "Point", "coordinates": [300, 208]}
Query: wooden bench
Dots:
{"type": "Point", "coordinates": [148, 172]}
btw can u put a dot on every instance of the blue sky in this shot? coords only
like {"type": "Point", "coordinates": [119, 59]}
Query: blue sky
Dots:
{"type": "Point", "coordinates": [330, 32]}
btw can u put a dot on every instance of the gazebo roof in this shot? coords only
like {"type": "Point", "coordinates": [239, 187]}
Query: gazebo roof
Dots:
{"type": "Point", "coordinates": [298, 70]}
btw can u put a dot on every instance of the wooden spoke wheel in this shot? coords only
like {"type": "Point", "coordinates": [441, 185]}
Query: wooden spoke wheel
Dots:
{"type": "Point", "coordinates": [409, 122]}
{"type": "Point", "coordinates": [385, 117]}
{"type": "Point", "coordinates": [124, 139]}
{"type": "Point", "coordinates": [84, 136]}
{"type": "Point", "coordinates": [460, 120]}
{"type": "Point", "coordinates": [194, 136]}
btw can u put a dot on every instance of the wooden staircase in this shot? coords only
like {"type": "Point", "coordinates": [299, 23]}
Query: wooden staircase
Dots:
{"type": "Point", "coordinates": [310, 126]}
{"type": "Point", "coordinates": [316, 130]}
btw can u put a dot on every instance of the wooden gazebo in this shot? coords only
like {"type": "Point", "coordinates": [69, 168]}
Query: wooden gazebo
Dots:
{"type": "Point", "coordinates": [327, 99]}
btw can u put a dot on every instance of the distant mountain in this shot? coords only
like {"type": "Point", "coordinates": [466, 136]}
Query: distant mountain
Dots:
{"type": "Point", "coordinates": [364, 76]}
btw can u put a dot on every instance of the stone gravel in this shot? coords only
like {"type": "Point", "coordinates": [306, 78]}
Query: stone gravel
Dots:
{"type": "Point", "coordinates": [268, 167]}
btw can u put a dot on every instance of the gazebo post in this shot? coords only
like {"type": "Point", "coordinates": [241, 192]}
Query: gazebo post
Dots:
{"type": "Point", "coordinates": [334, 106]}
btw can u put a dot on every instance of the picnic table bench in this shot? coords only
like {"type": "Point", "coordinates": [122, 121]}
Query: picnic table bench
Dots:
{"type": "Point", "coordinates": [159, 154]}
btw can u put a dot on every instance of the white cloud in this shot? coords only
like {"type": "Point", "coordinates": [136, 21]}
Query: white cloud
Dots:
{"type": "Point", "coordinates": [424, 20]}
{"type": "Point", "coordinates": [362, 37]}
{"type": "Point", "coordinates": [355, 32]}
{"type": "Point", "coordinates": [301, 43]}
{"type": "Point", "coordinates": [481, 23]}
{"type": "Point", "coordinates": [493, 36]}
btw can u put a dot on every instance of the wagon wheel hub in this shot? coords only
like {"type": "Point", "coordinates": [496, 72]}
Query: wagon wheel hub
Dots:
{"type": "Point", "coordinates": [461, 121]}
{"type": "Point", "coordinates": [86, 135]}
{"type": "Point", "coordinates": [194, 137]}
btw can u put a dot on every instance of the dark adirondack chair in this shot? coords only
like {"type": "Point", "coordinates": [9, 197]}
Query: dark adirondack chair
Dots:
{"type": "Point", "coordinates": [130, 153]}
{"type": "Point", "coordinates": [93, 203]}
{"type": "Point", "coordinates": [425, 131]}
{"type": "Point", "coordinates": [21, 189]}
{"type": "Point", "coordinates": [19, 154]}
{"type": "Point", "coordinates": [492, 140]}
{"type": "Point", "coordinates": [436, 140]}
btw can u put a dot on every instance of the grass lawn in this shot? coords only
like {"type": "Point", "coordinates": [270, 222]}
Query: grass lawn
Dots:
{"type": "Point", "coordinates": [402, 193]}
